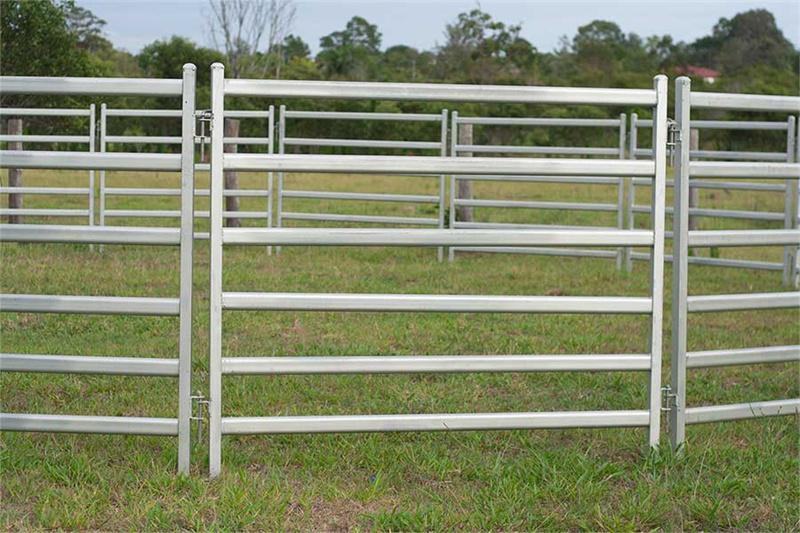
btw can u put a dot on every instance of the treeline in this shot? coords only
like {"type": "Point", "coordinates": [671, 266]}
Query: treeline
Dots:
{"type": "Point", "coordinates": [59, 38]}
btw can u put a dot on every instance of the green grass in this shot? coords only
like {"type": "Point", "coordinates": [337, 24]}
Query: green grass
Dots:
{"type": "Point", "coordinates": [734, 476]}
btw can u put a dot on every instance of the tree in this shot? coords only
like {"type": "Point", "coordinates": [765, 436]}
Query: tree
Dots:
{"type": "Point", "coordinates": [352, 53]}
{"type": "Point", "coordinates": [165, 59]}
{"type": "Point", "coordinates": [239, 27]}
{"type": "Point", "coordinates": [36, 40]}
{"type": "Point", "coordinates": [294, 47]}
{"type": "Point", "coordinates": [481, 50]}
{"type": "Point", "coordinates": [749, 39]}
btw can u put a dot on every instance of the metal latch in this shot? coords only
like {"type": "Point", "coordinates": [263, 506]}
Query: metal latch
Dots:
{"type": "Point", "coordinates": [203, 116]}
{"type": "Point", "coordinates": [669, 401]}
{"type": "Point", "coordinates": [201, 411]}
{"type": "Point", "coordinates": [673, 138]}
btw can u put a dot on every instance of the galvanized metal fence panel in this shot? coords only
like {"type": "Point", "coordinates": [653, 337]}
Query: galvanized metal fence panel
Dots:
{"type": "Point", "coordinates": [180, 307]}
{"type": "Point", "coordinates": [106, 141]}
{"type": "Point", "coordinates": [440, 145]}
{"type": "Point", "coordinates": [786, 189]}
{"type": "Point", "coordinates": [680, 414]}
{"type": "Point", "coordinates": [88, 140]}
{"type": "Point", "coordinates": [650, 305]}
{"type": "Point", "coordinates": [618, 124]}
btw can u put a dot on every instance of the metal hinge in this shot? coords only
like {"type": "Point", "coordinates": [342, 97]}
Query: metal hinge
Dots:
{"type": "Point", "coordinates": [201, 412]}
{"type": "Point", "coordinates": [669, 401]}
{"type": "Point", "coordinates": [203, 116]}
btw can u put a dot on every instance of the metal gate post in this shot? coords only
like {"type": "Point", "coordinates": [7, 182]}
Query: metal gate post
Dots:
{"type": "Point", "coordinates": [92, 133]}
{"type": "Point", "coordinates": [451, 254]}
{"type": "Point", "coordinates": [788, 205]}
{"type": "Point", "coordinates": [187, 242]}
{"type": "Point", "coordinates": [215, 327]}
{"type": "Point", "coordinates": [621, 186]}
{"type": "Point", "coordinates": [102, 172]}
{"type": "Point", "coordinates": [680, 265]}
{"type": "Point", "coordinates": [270, 151]}
{"type": "Point", "coordinates": [659, 195]}
{"type": "Point", "coordinates": [631, 191]}
{"type": "Point", "coordinates": [442, 183]}
{"type": "Point", "coordinates": [281, 149]}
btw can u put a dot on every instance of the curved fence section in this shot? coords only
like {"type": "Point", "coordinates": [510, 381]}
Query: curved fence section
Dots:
{"type": "Point", "coordinates": [683, 359]}
{"type": "Point", "coordinates": [180, 306]}
{"type": "Point", "coordinates": [649, 305]}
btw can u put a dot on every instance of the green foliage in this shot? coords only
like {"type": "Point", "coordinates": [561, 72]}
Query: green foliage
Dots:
{"type": "Point", "coordinates": [165, 59]}
{"type": "Point", "coordinates": [37, 40]}
{"type": "Point", "coordinates": [353, 53]}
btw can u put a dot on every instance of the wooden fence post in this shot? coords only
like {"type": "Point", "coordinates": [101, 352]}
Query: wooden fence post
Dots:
{"type": "Point", "coordinates": [464, 213]}
{"type": "Point", "coordinates": [231, 176]}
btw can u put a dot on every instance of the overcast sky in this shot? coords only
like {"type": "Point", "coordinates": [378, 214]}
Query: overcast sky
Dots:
{"type": "Point", "coordinates": [132, 24]}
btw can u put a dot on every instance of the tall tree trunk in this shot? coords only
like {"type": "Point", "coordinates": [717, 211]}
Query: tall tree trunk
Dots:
{"type": "Point", "coordinates": [232, 177]}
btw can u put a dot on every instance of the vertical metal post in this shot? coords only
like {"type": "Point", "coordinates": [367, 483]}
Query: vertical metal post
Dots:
{"type": "Point", "coordinates": [788, 208]}
{"type": "Point", "coordinates": [103, 172]}
{"type": "Point", "coordinates": [187, 242]}
{"type": "Point", "coordinates": [621, 187]}
{"type": "Point", "coordinates": [796, 185]}
{"type": "Point", "coordinates": [442, 183]}
{"type": "Point", "coordinates": [270, 151]}
{"type": "Point", "coordinates": [632, 141]}
{"type": "Point", "coordinates": [680, 264]}
{"type": "Point", "coordinates": [451, 254]}
{"type": "Point", "coordinates": [658, 203]}
{"type": "Point", "coordinates": [92, 134]}
{"type": "Point", "coordinates": [281, 149]}
{"type": "Point", "coordinates": [215, 326]}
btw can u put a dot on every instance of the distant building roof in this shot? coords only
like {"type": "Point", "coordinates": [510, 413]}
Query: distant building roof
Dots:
{"type": "Point", "coordinates": [700, 72]}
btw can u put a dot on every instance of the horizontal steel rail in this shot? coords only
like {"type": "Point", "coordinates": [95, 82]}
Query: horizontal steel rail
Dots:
{"type": "Point", "coordinates": [738, 156]}
{"type": "Point", "coordinates": [508, 225]}
{"type": "Point", "coordinates": [28, 138]}
{"type": "Point", "coordinates": [743, 302]}
{"type": "Point", "coordinates": [133, 191]}
{"type": "Point", "coordinates": [535, 150]}
{"type": "Point", "coordinates": [332, 217]}
{"type": "Point", "coordinates": [148, 213]}
{"type": "Point", "coordinates": [111, 425]}
{"type": "Point", "coordinates": [746, 102]}
{"type": "Point", "coordinates": [4, 211]}
{"type": "Point", "coordinates": [67, 191]}
{"type": "Point", "coordinates": [88, 305]}
{"type": "Point", "coordinates": [371, 197]}
{"type": "Point", "coordinates": [432, 237]}
{"type": "Point", "coordinates": [716, 261]}
{"type": "Point", "coordinates": [520, 204]}
{"type": "Point", "coordinates": [89, 161]}
{"type": "Point", "coordinates": [725, 238]}
{"type": "Point", "coordinates": [398, 364]}
{"type": "Point", "coordinates": [445, 422]}
{"type": "Point", "coordinates": [732, 185]}
{"type": "Point", "coordinates": [539, 121]}
{"type": "Point", "coordinates": [434, 92]}
{"type": "Point", "coordinates": [721, 213]}
{"type": "Point", "coordinates": [345, 115]}
{"type": "Point", "coordinates": [89, 235]}
{"type": "Point", "coordinates": [41, 112]}
{"type": "Point", "coordinates": [741, 411]}
{"type": "Point", "coordinates": [583, 180]}
{"type": "Point", "coordinates": [371, 164]}
{"type": "Point", "coordinates": [434, 303]}
{"type": "Point", "coordinates": [743, 356]}
{"type": "Point", "coordinates": [725, 169]}
{"type": "Point", "coordinates": [361, 143]}
{"type": "Point", "coordinates": [80, 364]}
{"type": "Point", "coordinates": [90, 86]}
{"type": "Point", "coordinates": [605, 254]}
{"type": "Point", "coordinates": [725, 125]}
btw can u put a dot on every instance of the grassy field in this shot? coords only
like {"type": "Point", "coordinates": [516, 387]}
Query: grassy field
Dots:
{"type": "Point", "coordinates": [734, 476]}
